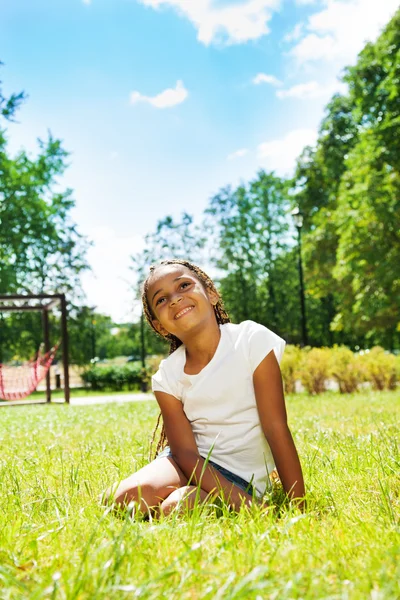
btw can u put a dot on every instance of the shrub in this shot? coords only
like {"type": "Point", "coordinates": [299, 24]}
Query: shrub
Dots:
{"type": "Point", "coordinates": [153, 362]}
{"type": "Point", "coordinates": [345, 367]}
{"type": "Point", "coordinates": [380, 369]}
{"type": "Point", "coordinates": [314, 369]}
{"type": "Point", "coordinates": [114, 377]}
{"type": "Point", "coordinates": [290, 368]}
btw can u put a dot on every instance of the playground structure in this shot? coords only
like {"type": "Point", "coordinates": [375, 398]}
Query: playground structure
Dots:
{"type": "Point", "coordinates": [38, 368]}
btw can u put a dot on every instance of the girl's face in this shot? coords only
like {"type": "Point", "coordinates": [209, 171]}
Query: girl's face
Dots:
{"type": "Point", "coordinates": [179, 302]}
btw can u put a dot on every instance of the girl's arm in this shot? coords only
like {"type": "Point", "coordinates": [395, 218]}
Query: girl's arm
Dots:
{"type": "Point", "coordinates": [185, 453]}
{"type": "Point", "coordinates": [268, 388]}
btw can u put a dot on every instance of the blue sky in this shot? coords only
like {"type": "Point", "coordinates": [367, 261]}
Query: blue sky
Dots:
{"type": "Point", "coordinates": [162, 102]}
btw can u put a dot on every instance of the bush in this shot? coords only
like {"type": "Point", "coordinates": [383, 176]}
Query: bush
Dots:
{"type": "Point", "coordinates": [345, 367]}
{"type": "Point", "coordinates": [314, 369]}
{"type": "Point", "coordinates": [153, 362]}
{"type": "Point", "coordinates": [116, 378]}
{"type": "Point", "coordinates": [313, 366]}
{"type": "Point", "coordinates": [380, 369]}
{"type": "Point", "coordinates": [290, 368]}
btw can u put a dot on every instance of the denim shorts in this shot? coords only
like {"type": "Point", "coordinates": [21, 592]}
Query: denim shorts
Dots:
{"type": "Point", "coordinates": [235, 479]}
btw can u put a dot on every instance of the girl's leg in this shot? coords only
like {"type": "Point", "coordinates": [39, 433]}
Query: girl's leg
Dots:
{"type": "Point", "coordinates": [148, 487]}
{"type": "Point", "coordinates": [184, 497]}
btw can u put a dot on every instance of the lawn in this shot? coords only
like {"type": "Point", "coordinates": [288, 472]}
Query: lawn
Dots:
{"type": "Point", "coordinates": [56, 541]}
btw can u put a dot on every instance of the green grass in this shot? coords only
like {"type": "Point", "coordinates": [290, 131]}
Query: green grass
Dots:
{"type": "Point", "coordinates": [56, 542]}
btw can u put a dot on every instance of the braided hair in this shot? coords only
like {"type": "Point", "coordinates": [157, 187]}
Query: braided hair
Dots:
{"type": "Point", "coordinates": [220, 314]}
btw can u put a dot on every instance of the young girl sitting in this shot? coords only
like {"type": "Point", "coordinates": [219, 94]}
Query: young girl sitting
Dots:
{"type": "Point", "coordinates": [221, 400]}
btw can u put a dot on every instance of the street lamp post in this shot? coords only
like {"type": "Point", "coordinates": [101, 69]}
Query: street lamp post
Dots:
{"type": "Point", "coordinates": [142, 341]}
{"type": "Point", "coordinates": [298, 221]}
{"type": "Point", "coordinates": [93, 332]}
{"type": "Point", "coordinates": [143, 386]}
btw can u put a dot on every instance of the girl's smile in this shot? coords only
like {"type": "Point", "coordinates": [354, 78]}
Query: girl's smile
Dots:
{"type": "Point", "coordinates": [183, 312]}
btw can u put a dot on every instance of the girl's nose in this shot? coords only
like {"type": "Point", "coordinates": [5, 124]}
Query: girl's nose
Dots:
{"type": "Point", "coordinates": [175, 300]}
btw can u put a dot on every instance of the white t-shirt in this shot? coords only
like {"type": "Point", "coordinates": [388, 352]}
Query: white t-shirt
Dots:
{"type": "Point", "coordinates": [220, 402]}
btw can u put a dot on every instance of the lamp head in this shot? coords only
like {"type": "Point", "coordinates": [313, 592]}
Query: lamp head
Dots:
{"type": "Point", "coordinates": [297, 217]}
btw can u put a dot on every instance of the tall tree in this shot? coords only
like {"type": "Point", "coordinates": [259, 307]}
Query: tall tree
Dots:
{"type": "Point", "coordinates": [252, 231]}
{"type": "Point", "coordinates": [348, 189]}
{"type": "Point", "coordinates": [41, 249]}
{"type": "Point", "coordinates": [170, 239]}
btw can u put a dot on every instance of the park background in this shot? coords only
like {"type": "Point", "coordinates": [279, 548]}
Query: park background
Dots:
{"type": "Point", "coordinates": [194, 130]}
{"type": "Point", "coordinates": [345, 185]}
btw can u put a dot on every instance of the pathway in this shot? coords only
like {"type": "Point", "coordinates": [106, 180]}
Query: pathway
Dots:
{"type": "Point", "coordinates": [85, 400]}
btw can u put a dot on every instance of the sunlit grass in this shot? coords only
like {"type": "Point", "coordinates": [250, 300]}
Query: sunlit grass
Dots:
{"type": "Point", "coordinates": [57, 542]}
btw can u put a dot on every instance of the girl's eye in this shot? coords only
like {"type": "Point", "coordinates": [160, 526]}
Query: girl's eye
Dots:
{"type": "Point", "coordinates": [183, 286]}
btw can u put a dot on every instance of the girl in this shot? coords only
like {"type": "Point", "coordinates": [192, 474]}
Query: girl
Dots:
{"type": "Point", "coordinates": [221, 400]}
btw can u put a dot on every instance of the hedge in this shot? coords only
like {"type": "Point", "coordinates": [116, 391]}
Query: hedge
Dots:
{"type": "Point", "coordinates": [116, 378]}
{"type": "Point", "coordinates": [313, 367]}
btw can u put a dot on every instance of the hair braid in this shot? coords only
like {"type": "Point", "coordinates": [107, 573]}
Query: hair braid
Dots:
{"type": "Point", "coordinates": [174, 343]}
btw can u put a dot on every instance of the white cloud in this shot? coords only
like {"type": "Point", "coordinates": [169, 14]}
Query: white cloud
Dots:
{"type": "Point", "coordinates": [280, 155]}
{"type": "Point", "coordinates": [264, 78]}
{"type": "Point", "coordinates": [339, 31]}
{"type": "Point", "coordinates": [233, 24]}
{"type": "Point", "coordinates": [306, 2]}
{"type": "Point", "coordinates": [166, 99]}
{"type": "Point", "coordinates": [86, 1]}
{"type": "Point", "coordinates": [311, 90]}
{"type": "Point", "coordinates": [108, 286]}
{"type": "Point", "coordinates": [238, 154]}
{"type": "Point", "coordinates": [295, 34]}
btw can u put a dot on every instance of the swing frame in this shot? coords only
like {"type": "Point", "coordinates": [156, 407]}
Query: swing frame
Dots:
{"type": "Point", "coordinates": [43, 303]}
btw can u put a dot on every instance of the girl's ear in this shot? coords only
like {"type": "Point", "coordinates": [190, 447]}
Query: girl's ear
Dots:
{"type": "Point", "coordinates": [213, 296]}
{"type": "Point", "coordinates": [159, 327]}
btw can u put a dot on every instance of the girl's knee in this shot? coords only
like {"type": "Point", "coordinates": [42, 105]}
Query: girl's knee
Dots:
{"type": "Point", "coordinates": [184, 497]}
{"type": "Point", "coordinates": [127, 491]}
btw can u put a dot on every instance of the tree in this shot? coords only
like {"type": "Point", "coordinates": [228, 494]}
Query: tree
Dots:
{"type": "Point", "coordinates": [41, 249]}
{"type": "Point", "coordinates": [348, 188]}
{"type": "Point", "coordinates": [252, 231]}
{"type": "Point", "coordinates": [368, 254]}
{"type": "Point", "coordinates": [181, 239]}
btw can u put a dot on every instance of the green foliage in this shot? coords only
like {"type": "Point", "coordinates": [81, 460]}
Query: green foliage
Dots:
{"type": "Point", "coordinates": [290, 367]}
{"type": "Point", "coordinates": [115, 378]}
{"type": "Point", "coordinates": [346, 368]}
{"type": "Point", "coordinates": [21, 334]}
{"type": "Point", "coordinates": [250, 228]}
{"type": "Point", "coordinates": [349, 190]}
{"type": "Point", "coordinates": [41, 250]}
{"type": "Point", "coordinates": [170, 239]}
{"type": "Point", "coordinates": [368, 251]}
{"type": "Point", "coordinates": [9, 106]}
{"type": "Point", "coordinates": [314, 369]}
{"type": "Point", "coordinates": [381, 369]}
